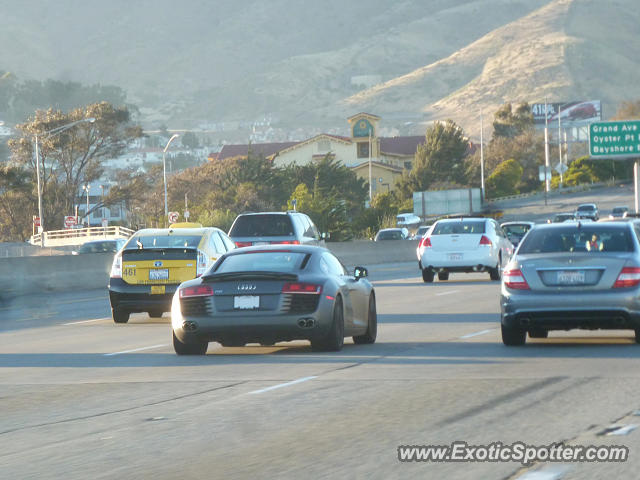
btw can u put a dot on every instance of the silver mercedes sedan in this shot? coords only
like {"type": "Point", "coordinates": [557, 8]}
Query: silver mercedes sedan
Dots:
{"type": "Point", "coordinates": [572, 276]}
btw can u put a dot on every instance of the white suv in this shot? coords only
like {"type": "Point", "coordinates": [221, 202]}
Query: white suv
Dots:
{"type": "Point", "coordinates": [464, 244]}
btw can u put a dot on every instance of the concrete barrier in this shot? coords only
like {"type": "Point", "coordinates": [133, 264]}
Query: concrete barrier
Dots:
{"type": "Point", "coordinates": [24, 275]}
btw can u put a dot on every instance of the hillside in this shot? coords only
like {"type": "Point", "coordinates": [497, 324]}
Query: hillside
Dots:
{"type": "Point", "coordinates": [203, 62]}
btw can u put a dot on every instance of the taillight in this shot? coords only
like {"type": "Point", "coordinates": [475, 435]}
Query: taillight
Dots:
{"type": "Point", "coordinates": [116, 266]}
{"type": "Point", "coordinates": [243, 244]}
{"type": "Point", "coordinates": [197, 291]}
{"type": "Point", "coordinates": [202, 264]}
{"type": "Point", "coordinates": [629, 277]}
{"type": "Point", "coordinates": [514, 280]}
{"type": "Point", "coordinates": [425, 242]}
{"type": "Point", "coordinates": [308, 288]}
{"type": "Point", "coordinates": [285, 242]}
{"type": "Point", "coordinates": [484, 240]}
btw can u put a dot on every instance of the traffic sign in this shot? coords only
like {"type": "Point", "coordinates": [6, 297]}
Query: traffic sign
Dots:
{"type": "Point", "coordinates": [541, 173]}
{"type": "Point", "coordinates": [561, 168]}
{"type": "Point", "coordinates": [70, 221]}
{"type": "Point", "coordinates": [173, 217]}
{"type": "Point", "coordinates": [186, 214]}
{"type": "Point", "coordinates": [36, 221]}
{"type": "Point", "coordinates": [614, 139]}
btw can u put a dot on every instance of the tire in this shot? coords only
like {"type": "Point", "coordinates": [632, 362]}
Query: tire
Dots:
{"type": "Point", "coordinates": [372, 324]}
{"type": "Point", "coordinates": [513, 336]}
{"type": "Point", "coordinates": [119, 315]}
{"type": "Point", "coordinates": [496, 273]}
{"type": "Point", "coordinates": [443, 276]}
{"type": "Point", "coordinates": [637, 335]}
{"type": "Point", "coordinates": [195, 348]}
{"type": "Point", "coordinates": [155, 313]}
{"type": "Point", "coordinates": [427, 275]}
{"type": "Point", "coordinates": [538, 333]}
{"type": "Point", "coordinates": [334, 340]}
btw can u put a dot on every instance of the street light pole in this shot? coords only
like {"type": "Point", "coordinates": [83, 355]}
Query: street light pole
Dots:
{"type": "Point", "coordinates": [87, 188]}
{"type": "Point", "coordinates": [50, 133]}
{"type": "Point", "coordinates": [164, 174]}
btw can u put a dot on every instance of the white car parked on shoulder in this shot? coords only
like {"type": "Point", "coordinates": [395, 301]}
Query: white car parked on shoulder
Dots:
{"type": "Point", "coordinates": [463, 244]}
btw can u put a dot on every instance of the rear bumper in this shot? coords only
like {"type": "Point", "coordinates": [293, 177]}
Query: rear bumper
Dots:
{"type": "Point", "coordinates": [138, 298]}
{"type": "Point", "coordinates": [610, 310]}
{"type": "Point", "coordinates": [470, 261]}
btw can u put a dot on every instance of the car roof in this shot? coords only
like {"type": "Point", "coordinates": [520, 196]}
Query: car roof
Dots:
{"type": "Point", "coordinates": [462, 219]}
{"type": "Point", "coordinates": [517, 223]}
{"type": "Point", "coordinates": [587, 205]}
{"type": "Point", "coordinates": [246, 214]}
{"type": "Point", "coordinates": [278, 248]}
{"type": "Point", "coordinates": [149, 232]}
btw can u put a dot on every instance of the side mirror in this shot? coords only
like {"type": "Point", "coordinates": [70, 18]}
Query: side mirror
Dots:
{"type": "Point", "coordinates": [360, 272]}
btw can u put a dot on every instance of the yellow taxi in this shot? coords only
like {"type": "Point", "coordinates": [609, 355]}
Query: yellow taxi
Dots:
{"type": "Point", "coordinates": [148, 269]}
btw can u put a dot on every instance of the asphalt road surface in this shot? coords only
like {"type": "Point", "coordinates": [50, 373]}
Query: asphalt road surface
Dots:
{"type": "Point", "coordinates": [83, 398]}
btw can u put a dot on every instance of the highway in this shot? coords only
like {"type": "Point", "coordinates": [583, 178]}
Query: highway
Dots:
{"type": "Point", "coordinates": [83, 398]}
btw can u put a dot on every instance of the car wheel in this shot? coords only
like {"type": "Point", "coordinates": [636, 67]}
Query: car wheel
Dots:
{"type": "Point", "coordinates": [334, 340]}
{"type": "Point", "coordinates": [538, 333]}
{"type": "Point", "coordinates": [194, 348]}
{"type": "Point", "coordinates": [372, 325]}
{"type": "Point", "coordinates": [513, 336]}
{"type": "Point", "coordinates": [119, 315]}
{"type": "Point", "coordinates": [442, 276]}
{"type": "Point", "coordinates": [427, 275]}
{"type": "Point", "coordinates": [637, 335]}
{"type": "Point", "coordinates": [155, 313]}
{"type": "Point", "coordinates": [496, 273]}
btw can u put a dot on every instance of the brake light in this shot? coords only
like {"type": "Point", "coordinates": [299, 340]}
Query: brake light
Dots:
{"type": "Point", "coordinates": [514, 280]}
{"type": "Point", "coordinates": [425, 242]}
{"type": "Point", "coordinates": [286, 242]}
{"type": "Point", "coordinates": [197, 291]}
{"type": "Point", "coordinates": [243, 244]}
{"type": "Point", "coordinates": [116, 266]}
{"type": "Point", "coordinates": [202, 264]}
{"type": "Point", "coordinates": [484, 240]}
{"type": "Point", "coordinates": [308, 288]}
{"type": "Point", "coordinates": [629, 277]}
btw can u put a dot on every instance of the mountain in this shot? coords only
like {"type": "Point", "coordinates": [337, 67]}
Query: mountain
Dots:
{"type": "Point", "coordinates": [203, 61]}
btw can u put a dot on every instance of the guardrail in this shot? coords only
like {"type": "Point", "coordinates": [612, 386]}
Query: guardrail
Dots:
{"type": "Point", "coordinates": [78, 236]}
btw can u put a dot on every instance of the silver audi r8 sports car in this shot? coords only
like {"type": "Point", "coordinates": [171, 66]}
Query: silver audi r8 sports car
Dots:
{"type": "Point", "coordinates": [267, 294]}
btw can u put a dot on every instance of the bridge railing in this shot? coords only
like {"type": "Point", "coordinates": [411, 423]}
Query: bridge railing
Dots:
{"type": "Point", "coordinates": [78, 236]}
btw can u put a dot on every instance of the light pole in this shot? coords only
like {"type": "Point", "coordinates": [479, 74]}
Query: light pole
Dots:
{"type": "Point", "coordinates": [47, 134]}
{"type": "Point", "coordinates": [164, 174]}
{"type": "Point", "coordinates": [87, 188]}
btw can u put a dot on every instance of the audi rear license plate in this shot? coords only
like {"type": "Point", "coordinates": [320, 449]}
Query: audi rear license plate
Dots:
{"type": "Point", "coordinates": [246, 302]}
{"type": "Point", "coordinates": [571, 277]}
{"type": "Point", "coordinates": [159, 274]}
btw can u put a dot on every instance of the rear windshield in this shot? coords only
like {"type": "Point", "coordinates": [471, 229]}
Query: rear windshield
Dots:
{"type": "Point", "coordinates": [390, 235]}
{"type": "Point", "coordinates": [166, 241]}
{"type": "Point", "coordinates": [262, 226]}
{"type": "Point", "coordinates": [574, 239]}
{"type": "Point", "coordinates": [516, 229]}
{"type": "Point", "coordinates": [261, 261]}
{"type": "Point", "coordinates": [99, 247]}
{"type": "Point", "coordinates": [586, 208]}
{"type": "Point", "coordinates": [448, 228]}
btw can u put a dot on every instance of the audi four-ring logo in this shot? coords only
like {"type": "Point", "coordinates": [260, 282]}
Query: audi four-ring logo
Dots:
{"type": "Point", "coordinates": [245, 287]}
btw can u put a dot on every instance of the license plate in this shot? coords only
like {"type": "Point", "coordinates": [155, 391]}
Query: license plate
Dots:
{"type": "Point", "coordinates": [159, 274]}
{"type": "Point", "coordinates": [246, 302]}
{"type": "Point", "coordinates": [571, 277]}
{"type": "Point", "coordinates": [261, 243]}
{"type": "Point", "coordinates": [157, 290]}
{"type": "Point", "coordinates": [455, 256]}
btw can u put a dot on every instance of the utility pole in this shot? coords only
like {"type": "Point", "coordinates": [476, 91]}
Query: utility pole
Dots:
{"type": "Point", "coordinates": [546, 151]}
{"type": "Point", "coordinates": [481, 158]}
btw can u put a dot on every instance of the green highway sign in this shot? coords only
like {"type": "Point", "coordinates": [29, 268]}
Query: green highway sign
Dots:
{"type": "Point", "coordinates": [614, 139]}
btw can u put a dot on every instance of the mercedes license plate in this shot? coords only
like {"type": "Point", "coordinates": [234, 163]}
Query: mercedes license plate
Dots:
{"type": "Point", "coordinates": [159, 274]}
{"type": "Point", "coordinates": [572, 277]}
{"type": "Point", "coordinates": [246, 302]}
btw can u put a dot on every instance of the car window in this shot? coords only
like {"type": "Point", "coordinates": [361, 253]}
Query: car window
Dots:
{"type": "Point", "coordinates": [262, 226]}
{"type": "Point", "coordinates": [390, 235]}
{"type": "Point", "coordinates": [262, 261]}
{"type": "Point", "coordinates": [227, 241]}
{"type": "Point", "coordinates": [217, 243]}
{"type": "Point", "coordinates": [573, 239]}
{"type": "Point", "coordinates": [458, 228]}
{"type": "Point", "coordinates": [334, 265]}
{"type": "Point", "coordinates": [167, 241]}
{"type": "Point", "coordinates": [311, 230]}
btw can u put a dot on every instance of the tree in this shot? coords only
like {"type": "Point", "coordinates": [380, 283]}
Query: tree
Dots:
{"type": "Point", "coordinates": [628, 110]}
{"type": "Point", "coordinates": [190, 140]}
{"type": "Point", "coordinates": [15, 203]}
{"type": "Point", "coordinates": [510, 123]}
{"type": "Point", "coordinates": [439, 159]}
{"type": "Point", "coordinates": [504, 179]}
{"type": "Point", "coordinates": [74, 156]}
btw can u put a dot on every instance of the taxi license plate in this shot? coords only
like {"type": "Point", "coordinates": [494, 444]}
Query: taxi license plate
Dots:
{"type": "Point", "coordinates": [246, 302]}
{"type": "Point", "coordinates": [571, 277]}
{"type": "Point", "coordinates": [159, 274]}
{"type": "Point", "coordinates": [157, 290]}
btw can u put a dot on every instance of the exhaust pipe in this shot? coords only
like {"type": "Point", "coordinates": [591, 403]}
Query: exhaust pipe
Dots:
{"type": "Point", "coordinates": [189, 326]}
{"type": "Point", "coordinates": [306, 323]}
